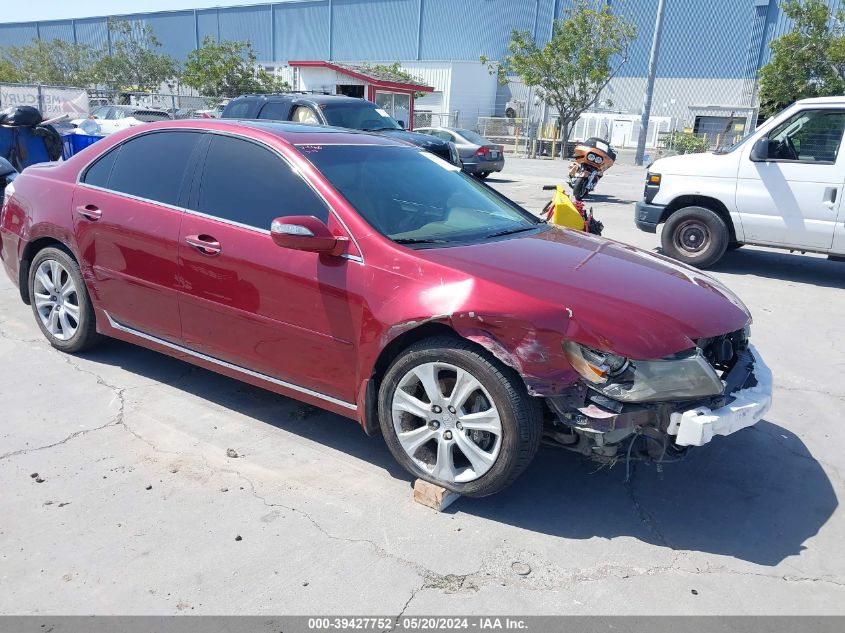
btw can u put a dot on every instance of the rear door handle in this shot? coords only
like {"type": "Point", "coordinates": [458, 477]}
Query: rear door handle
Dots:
{"type": "Point", "coordinates": [89, 212]}
{"type": "Point", "coordinates": [205, 244]}
{"type": "Point", "coordinates": [830, 197]}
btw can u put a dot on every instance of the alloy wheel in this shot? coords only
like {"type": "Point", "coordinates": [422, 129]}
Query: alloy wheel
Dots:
{"type": "Point", "coordinates": [56, 300]}
{"type": "Point", "coordinates": [446, 422]}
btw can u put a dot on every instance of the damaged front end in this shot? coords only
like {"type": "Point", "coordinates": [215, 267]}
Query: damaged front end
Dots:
{"type": "Point", "coordinates": [657, 409]}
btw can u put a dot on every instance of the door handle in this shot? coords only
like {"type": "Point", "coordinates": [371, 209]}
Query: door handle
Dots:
{"type": "Point", "coordinates": [205, 244]}
{"type": "Point", "coordinates": [89, 212]}
{"type": "Point", "coordinates": [829, 197]}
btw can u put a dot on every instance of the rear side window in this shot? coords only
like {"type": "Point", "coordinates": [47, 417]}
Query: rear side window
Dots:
{"type": "Point", "coordinates": [152, 166]}
{"type": "Point", "coordinates": [98, 173]}
{"type": "Point", "coordinates": [237, 110]}
{"type": "Point", "coordinates": [275, 110]}
{"type": "Point", "coordinates": [246, 183]}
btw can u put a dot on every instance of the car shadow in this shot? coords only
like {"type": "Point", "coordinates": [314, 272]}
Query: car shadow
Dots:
{"type": "Point", "coordinates": [784, 266]}
{"type": "Point", "coordinates": [757, 495]}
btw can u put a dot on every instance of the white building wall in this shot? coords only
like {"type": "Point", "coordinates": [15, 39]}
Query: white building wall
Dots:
{"type": "Point", "coordinates": [472, 92]}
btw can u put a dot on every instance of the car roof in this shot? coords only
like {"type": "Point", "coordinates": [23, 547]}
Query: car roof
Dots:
{"type": "Point", "coordinates": [310, 96]}
{"type": "Point", "coordinates": [290, 132]}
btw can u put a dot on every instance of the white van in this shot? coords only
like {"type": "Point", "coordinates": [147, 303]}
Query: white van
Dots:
{"type": "Point", "coordinates": [781, 186]}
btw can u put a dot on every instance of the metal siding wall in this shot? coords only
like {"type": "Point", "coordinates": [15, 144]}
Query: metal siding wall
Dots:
{"type": "Point", "coordinates": [370, 30]}
{"type": "Point", "coordinates": [175, 31]}
{"type": "Point", "coordinates": [17, 34]}
{"type": "Point", "coordinates": [56, 30]}
{"type": "Point", "coordinates": [207, 24]}
{"type": "Point", "coordinates": [250, 24]}
{"type": "Point", "coordinates": [302, 30]}
{"type": "Point", "coordinates": [93, 31]}
{"type": "Point", "coordinates": [778, 24]}
{"type": "Point", "coordinates": [464, 30]}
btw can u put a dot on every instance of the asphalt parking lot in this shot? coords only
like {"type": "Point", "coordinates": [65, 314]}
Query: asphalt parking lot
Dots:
{"type": "Point", "coordinates": [138, 508]}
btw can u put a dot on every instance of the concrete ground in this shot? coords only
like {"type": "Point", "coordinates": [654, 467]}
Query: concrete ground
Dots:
{"type": "Point", "coordinates": [137, 509]}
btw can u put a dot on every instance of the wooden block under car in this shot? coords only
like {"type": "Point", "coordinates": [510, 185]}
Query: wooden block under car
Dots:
{"type": "Point", "coordinates": [433, 496]}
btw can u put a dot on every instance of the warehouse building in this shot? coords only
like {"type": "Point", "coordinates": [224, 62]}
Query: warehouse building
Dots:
{"type": "Point", "coordinates": [710, 52]}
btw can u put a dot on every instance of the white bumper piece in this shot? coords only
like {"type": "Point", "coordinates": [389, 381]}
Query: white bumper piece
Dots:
{"type": "Point", "coordinates": [697, 426]}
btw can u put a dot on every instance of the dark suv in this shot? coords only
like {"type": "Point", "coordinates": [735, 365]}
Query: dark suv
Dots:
{"type": "Point", "coordinates": [336, 110]}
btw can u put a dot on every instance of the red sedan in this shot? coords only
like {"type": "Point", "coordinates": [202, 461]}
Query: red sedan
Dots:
{"type": "Point", "coordinates": [370, 278]}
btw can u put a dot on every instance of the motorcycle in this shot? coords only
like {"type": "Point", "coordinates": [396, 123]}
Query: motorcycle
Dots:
{"type": "Point", "coordinates": [593, 157]}
{"type": "Point", "coordinates": [561, 210]}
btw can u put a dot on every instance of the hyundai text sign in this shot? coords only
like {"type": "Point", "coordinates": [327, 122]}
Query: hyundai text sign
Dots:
{"type": "Point", "coordinates": [54, 102]}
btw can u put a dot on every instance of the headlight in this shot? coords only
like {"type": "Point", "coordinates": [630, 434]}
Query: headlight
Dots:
{"type": "Point", "coordinates": [652, 179]}
{"type": "Point", "coordinates": [678, 377]}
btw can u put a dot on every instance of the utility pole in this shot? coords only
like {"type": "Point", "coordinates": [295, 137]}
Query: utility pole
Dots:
{"type": "Point", "coordinates": [649, 88]}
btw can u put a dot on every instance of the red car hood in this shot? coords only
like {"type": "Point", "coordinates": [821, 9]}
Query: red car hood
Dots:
{"type": "Point", "coordinates": [617, 297]}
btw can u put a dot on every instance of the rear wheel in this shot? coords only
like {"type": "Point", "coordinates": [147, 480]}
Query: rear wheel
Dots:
{"type": "Point", "coordinates": [483, 174]}
{"type": "Point", "coordinates": [695, 235]}
{"type": "Point", "coordinates": [454, 416]}
{"type": "Point", "coordinates": [60, 301]}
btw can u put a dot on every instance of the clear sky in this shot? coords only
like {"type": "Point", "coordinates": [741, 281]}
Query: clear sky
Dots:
{"type": "Point", "coordinates": [58, 9]}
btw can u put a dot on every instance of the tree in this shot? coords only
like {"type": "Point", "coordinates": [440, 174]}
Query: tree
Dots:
{"type": "Point", "coordinates": [8, 71]}
{"type": "Point", "coordinates": [54, 63]}
{"type": "Point", "coordinates": [133, 63]}
{"type": "Point", "coordinates": [809, 61]}
{"type": "Point", "coordinates": [587, 48]}
{"type": "Point", "coordinates": [228, 69]}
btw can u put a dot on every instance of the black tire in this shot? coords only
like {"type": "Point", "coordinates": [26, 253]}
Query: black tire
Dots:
{"type": "Point", "coordinates": [519, 413]}
{"type": "Point", "coordinates": [734, 246]}
{"type": "Point", "coordinates": [86, 335]}
{"type": "Point", "coordinates": [483, 174]}
{"type": "Point", "coordinates": [579, 188]}
{"type": "Point", "coordinates": [697, 236]}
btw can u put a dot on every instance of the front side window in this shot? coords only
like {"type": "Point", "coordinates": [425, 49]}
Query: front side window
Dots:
{"type": "Point", "coordinates": [809, 136]}
{"type": "Point", "coordinates": [413, 197]}
{"type": "Point", "coordinates": [246, 183]}
{"type": "Point", "coordinates": [304, 114]}
{"type": "Point", "coordinates": [151, 166]}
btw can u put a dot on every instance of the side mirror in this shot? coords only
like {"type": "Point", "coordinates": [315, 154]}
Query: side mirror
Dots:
{"type": "Point", "coordinates": [760, 150]}
{"type": "Point", "coordinates": [306, 233]}
{"type": "Point", "coordinates": [401, 124]}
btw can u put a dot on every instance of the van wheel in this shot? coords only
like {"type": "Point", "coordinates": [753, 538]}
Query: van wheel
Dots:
{"type": "Point", "coordinates": [453, 415]}
{"type": "Point", "coordinates": [696, 236]}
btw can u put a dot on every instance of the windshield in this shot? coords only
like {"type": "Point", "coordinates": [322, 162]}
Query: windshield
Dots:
{"type": "Point", "coordinates": [413, 197]}
{"type": "Point", "coordinates": [358, 116]}
{"type": "Point", "coordinates": [730, 148]}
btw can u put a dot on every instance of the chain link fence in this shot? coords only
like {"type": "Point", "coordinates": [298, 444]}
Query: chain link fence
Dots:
{"type": "Point", "coordinates": [513, 134]}
{"type": "Point", "coordinates": [435, 119]}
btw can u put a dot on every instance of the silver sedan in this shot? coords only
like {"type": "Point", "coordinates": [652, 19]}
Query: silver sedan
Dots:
{"type": "Point", "coordinates": [479, 156]}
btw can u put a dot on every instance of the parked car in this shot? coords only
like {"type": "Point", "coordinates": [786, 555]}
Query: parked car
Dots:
{"type": "Point", "coordinates": [112, 118]}
{"type": "Point", "coordinates": [479, 156]}
{"type": "Point", "coordinates": [780, 186]}
{"type": "Point", "coordinates": [212, 113]}
{"type": "Point", "coordinates": [357, 273]}
{"type": "Point", "coordinates": [336, 110]}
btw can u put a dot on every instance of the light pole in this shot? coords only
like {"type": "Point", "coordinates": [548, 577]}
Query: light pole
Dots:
{"type": "Point", "coordinates": [649, 88]}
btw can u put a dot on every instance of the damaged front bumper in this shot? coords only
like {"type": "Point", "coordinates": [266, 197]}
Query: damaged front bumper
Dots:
{"type": "Point", "coordinates": [747, 406]}
{"type": "Point", "coordinates": [593, 424]}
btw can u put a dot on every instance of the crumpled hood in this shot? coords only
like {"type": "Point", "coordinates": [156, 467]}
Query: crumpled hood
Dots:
{"type": "Point", "coordinates": [616, 297]}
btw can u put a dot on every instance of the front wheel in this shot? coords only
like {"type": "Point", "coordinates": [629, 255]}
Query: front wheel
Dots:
{"type": "Point", "coordinates": [483, 174]}
{"type": "Point", "coordinates": [695, 235]}
{"type": "Point", "coordinates": [579, 188]}
{"type": "Point", "coordinates": [453, 415]}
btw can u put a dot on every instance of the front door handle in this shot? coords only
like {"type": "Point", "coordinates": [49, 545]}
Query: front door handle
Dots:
{"type": "Point", "coordinates": [205, 244]}
{"type": "Point", "coordinates": [89, 212]}
{"type": "Point", "coordinates": [830, 197]}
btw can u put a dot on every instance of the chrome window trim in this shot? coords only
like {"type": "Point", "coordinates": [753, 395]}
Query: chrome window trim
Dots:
{"type": "Point", "coordinates": [359, 259]}
{"type": "Point", "coordinates": [222, 363]}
